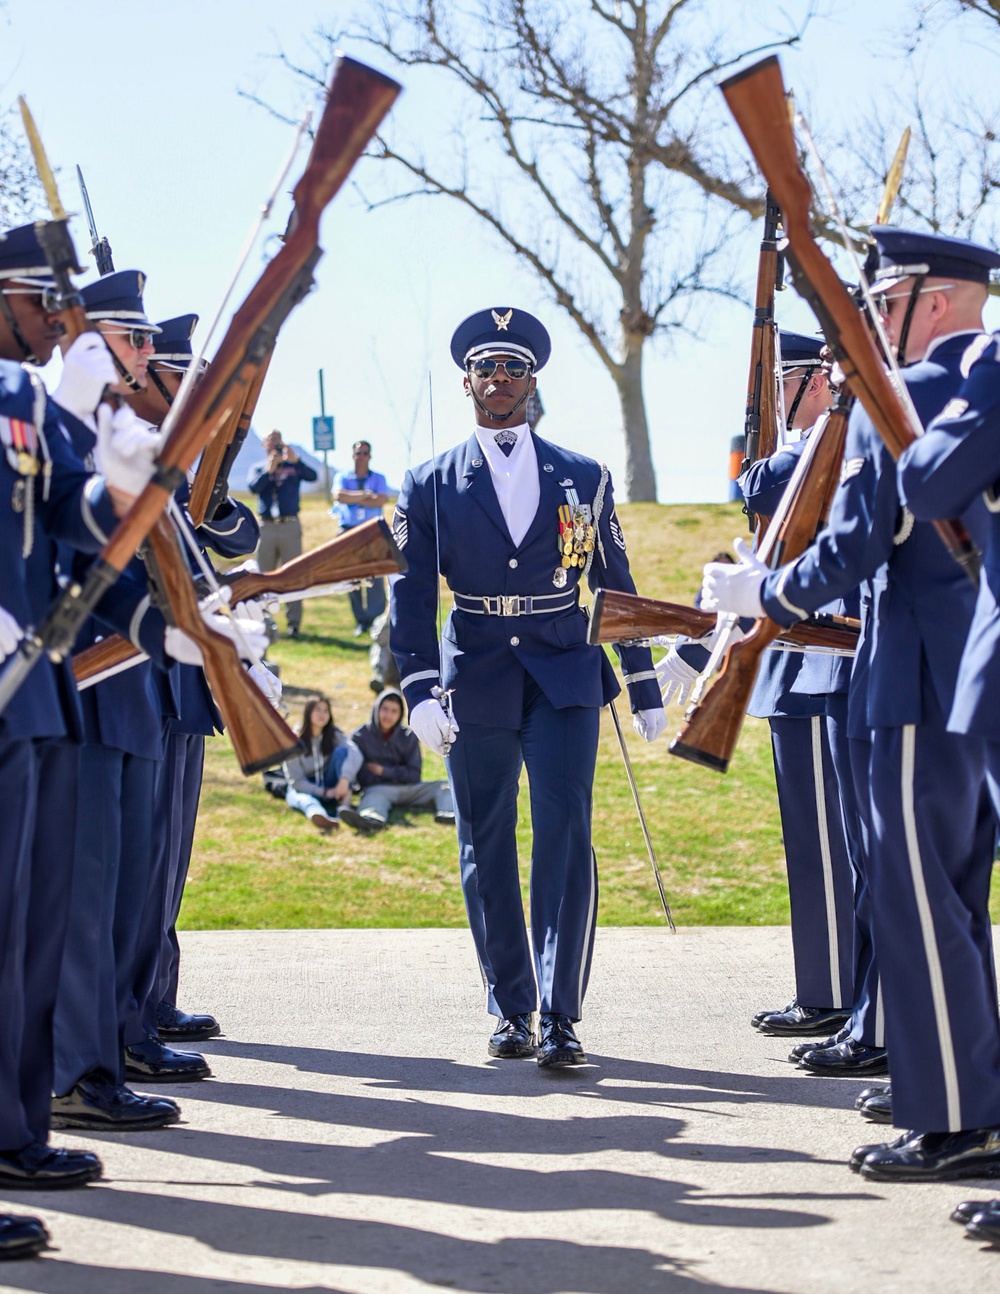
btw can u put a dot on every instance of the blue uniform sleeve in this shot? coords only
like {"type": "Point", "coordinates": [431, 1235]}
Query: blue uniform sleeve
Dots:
{"type": "Point", "coordinates": [304, 471]}
{"type": "Point", "coordinates": [612, 572]}
{"type": "Point", "coordinates": [858, 537]}
{"type": "Point", "coordinates": [232, 532]}
{"type": "Point", "coordinates": [413, 617]}
{"type": "Point", "coordinates": [958, 457]}
{"type": "Point", "coordinates": [258, 478]}
{"type": "Point", "coordinates": [763, 483]}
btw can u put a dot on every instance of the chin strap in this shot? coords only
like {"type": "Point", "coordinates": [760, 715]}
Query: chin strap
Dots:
{"type": "Point", "coordinates": [911, 305]}
{"type": "Point", "coordinates": [160, 385]}
{"type": "Point", "coordinates": [496, 417]}
{"type": "Point", "coordinates": [15, 329]}
{"type": "Point", "coordinates": [123, 372]}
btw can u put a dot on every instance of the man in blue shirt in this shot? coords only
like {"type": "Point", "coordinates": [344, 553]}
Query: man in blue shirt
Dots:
{"type": "Point", "coordinates": [276, 483]}
{"type": "Point", "coordinates": [358, 496]}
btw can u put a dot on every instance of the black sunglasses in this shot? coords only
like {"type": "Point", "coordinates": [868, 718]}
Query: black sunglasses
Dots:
{"type": "Point", "coordinates": [137, 337]}
{"type": "Point", "coordinates": [484, 369]}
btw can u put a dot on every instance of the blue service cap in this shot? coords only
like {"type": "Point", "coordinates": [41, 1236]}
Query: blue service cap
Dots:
{"type": "Point", "coordinates": [172, 346]}
{"type": "Point", "coordinates": [22, 258]}
{"type": "Point", "coordinates": [906, 252]}
{"type": "Point", "coordinates": [501, 331]}
{"type": "Point", "coordinates": [117, 298]}
{"type": "Point", "coordinates": [798, 350]}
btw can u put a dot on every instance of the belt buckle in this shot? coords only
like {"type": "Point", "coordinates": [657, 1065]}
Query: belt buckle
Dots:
{"type": "Point", "coordinates": [509, 606]}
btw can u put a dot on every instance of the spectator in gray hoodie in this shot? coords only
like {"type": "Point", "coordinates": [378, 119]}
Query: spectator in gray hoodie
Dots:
{"type": "Point", "coordinates": [389, 772]}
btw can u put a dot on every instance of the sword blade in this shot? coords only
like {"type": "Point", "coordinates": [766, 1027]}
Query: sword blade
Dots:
{"type": "Point", "coordinates": [41, 162]}
{"type": "Point", "coordinates": [642, 817]}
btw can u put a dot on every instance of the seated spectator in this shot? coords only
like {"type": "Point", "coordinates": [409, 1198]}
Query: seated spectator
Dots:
{"type": "Point", "coordinates": [389, 773]}
{"type": "Point", "coordinates": [319, 780]}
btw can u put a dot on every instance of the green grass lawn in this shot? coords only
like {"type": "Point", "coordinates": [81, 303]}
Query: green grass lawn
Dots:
{"type": "Point", "coordinates": [258, 865]}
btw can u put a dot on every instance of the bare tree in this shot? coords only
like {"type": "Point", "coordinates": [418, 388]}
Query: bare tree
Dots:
{"type": "Point", "coordinates": [21, 196]}
{"type": "Point", "coordinates": [588, 135]}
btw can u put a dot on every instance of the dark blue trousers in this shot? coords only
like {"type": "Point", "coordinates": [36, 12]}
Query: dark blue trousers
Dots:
{"type": "Point", "coordinates": [933, 839]}
{"type": "Point", "coordinates": [113, 846]}
{"type": "Point", "coordinates": [558, 748]}
{"type": "Point", "coordinates": [178, 792]}
{"type": "Point", "coordinates": [868, 1015]}
{"type": "Point", "coordinates": [47, 916]}
{"type": "Point", "coordinates": [19, 778]}
{"type": "Point", "coordinates": [820, 882]}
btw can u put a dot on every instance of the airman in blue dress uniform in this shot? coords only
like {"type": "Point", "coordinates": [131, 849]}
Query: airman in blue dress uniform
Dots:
{"type": "Point", "coordinates": [803, 696]}
{"type": "Point", "coordinates": [514, 524]}
{"type": "Point", "coordinates": [932, 827]}
{"type": "Point", "coordinates": [47, 494]}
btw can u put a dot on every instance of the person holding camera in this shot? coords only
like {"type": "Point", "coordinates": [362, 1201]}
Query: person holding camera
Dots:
{"type": "Point", "coordinates": [276, 482]}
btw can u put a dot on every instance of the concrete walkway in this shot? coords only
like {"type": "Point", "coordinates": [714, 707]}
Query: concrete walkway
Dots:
{"type": "Point", "coordinates": [355, 1138]}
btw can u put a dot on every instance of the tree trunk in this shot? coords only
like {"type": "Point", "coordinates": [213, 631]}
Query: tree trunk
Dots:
{"type": "Point", "coordinates": [640, 479]}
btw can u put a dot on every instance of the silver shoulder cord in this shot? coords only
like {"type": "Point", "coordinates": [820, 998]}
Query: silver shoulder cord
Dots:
{"type": "Point", "coordinates": [438, 693]}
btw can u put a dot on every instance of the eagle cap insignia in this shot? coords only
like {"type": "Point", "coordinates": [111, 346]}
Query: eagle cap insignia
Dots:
{"type": "Point", "coordinates": [502, 321]}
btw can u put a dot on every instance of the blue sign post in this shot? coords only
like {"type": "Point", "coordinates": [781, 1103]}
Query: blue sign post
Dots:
{"type": "Point", "coordinates": [323, 436]}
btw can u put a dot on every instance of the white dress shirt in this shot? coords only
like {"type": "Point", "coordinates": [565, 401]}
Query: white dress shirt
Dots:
{"type": "Point", "coordinates": [515, 477]}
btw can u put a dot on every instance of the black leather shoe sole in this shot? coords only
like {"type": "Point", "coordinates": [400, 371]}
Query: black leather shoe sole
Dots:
{"type": "Point", "coordinates": [170, 1036]}
{"type": "Point", "coordinates": [828, 1023]}
{"type": "Point", "coordinates": [157, 1075]}
{"type": "Point", "coordinates": [964, 1213]}
{"type": "Point", "coordinates": [43, 1181]}
{"type": "Point", "coordinates": [814, 1064]}
{"type": "Point", "coordinates": [561, 1058]}
{"type": "Point", "coordinates": [22, 1237]}
{"type": "Point", "coordinates": [511, 1050]}
{"type": "Point", "coordinates": [878, 1109]}
{"type": "Point", "coordinates": [100, 1121]}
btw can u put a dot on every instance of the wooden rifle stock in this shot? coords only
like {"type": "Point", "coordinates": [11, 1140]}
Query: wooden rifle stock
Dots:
{"type": "Point", "coordinates": [259, 735]}
{"type": "Point", "coordinates": [364, 551]}
{"type": "Point", "coordinates": [757, 99]}
{"type": "Point", "coordinates": [712, 725]}
{"type": "Point", "coordinates": [625, 617]}
{"type": "Point", "coordinates": [357, 100]}
{"type": "Point", "coordinates": [211, 482]}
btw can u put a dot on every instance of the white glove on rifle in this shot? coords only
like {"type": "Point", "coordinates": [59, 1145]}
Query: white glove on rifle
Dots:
{"type": "Point", "coordinates": [242, 628]}
{"type": "Point", "coordinates": [650, 724]}
{"type": "Point", "coordinates": [87, 369]}
{"type": "Point", "coordinates": [435, 728]}
{"type": "Point", "coordinates": [735, 588]}
{"type": "Point", "coordinates": [11, 634]}
{"type": "Point", "coordinates": [675, 675]}
{"type": "Point", "coordinates": [126, 449]}
{"type": "Point", "coordinates": [268, 683]}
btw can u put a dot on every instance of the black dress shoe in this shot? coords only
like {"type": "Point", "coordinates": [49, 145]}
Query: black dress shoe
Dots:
{"type": "Point", "coordinates": [96, 1102]}
{"type": "Point", "coordinates": [20, 1237]}
{"type": "Point", "coordinates": [797, 1019]}
{"type": "Point", "coordinates": [514, 1038]}
{"type": "Point", "coordinates": [964, 1213]}
{"type": "Point", "coordinates": [181, 1026]}
{"type": "Point", "coordinates": [866, 1093]}
{"type": "Point", "coordinates": [846, 1058]}
{"type": "Point", "coordinates": [559, 1046]}
{"type": "Point", "coordinates": [41, 1168]}
{"type": "Point", "coordinates": [150, 1061]}
{"type": "Point", "coordinates": [937, 1157]}
{"type": "Point", "coordinates": [878, 1108]}
{"type": "Point", "coordinates": [861, 1153]}
{"type": "Point", "coordinates": [800, 1048]}
{"type": "Point", "coordinates": [985, 1226]}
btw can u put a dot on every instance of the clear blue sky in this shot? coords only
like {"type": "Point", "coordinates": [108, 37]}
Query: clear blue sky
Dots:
{"type": "Point", "coordinates": [144, 98]}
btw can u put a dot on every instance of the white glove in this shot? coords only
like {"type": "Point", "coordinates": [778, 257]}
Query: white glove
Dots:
{"type": "Point", "coordinates": [11, 634]}
{"type": "Point", "coordinates": [675, 676]}
{"type": "Point", "coordinates": [268, 683]}
{"type": "Point", "coordinates": [87, 369]}
{"type": "Point", "coordinates": [650, 724]}
{"type": "Point", "coordinates": [435, 728]}
{"type": "Point", "coordinates": [735, 589]}
{"type": "Point", "coordinates": [180, 647]}
{"type": "Point", "coordinates": [244, 630]}
{"type": "Point", "coordinates": [126, 449]}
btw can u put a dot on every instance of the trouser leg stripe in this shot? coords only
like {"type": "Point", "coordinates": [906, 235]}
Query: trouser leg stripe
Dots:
{"type": "Point", "coordinates": [585, 958]}
{"type": "Point", "coordinates": [945, 1043]}
{"type": "Point", "coordinates": [819, 782]}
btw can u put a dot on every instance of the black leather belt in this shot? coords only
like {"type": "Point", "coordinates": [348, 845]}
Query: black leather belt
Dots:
{"type": "Point", "coordinates": [502, 605]}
